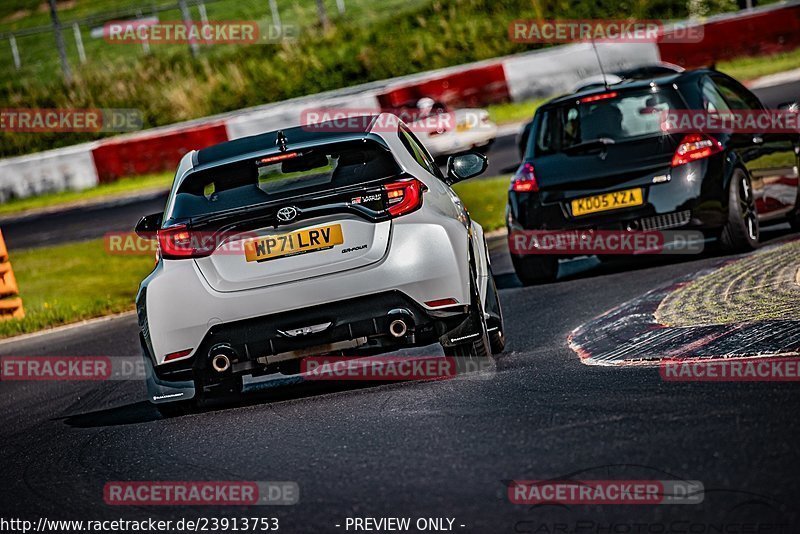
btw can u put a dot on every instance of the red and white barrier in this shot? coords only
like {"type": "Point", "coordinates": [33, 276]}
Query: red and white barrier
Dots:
{"type": "Point", "coordinates": [519, 77]}
{"type": "Point", "coordinates": [766, 30]}
{"type": "Point", "coordinates": [287, 114]}
{"type": "Point", "coordinates": [154, 151]}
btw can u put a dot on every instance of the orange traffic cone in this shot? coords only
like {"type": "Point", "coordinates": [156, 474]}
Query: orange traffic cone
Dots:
{"type": "Point", "coordinates": [10, 308]}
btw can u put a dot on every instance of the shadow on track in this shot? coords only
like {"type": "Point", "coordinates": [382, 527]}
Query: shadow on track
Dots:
{"type": "Point", "coordinates": [591, 266]}
{"type": "Point", "coordinates": [145, 412]}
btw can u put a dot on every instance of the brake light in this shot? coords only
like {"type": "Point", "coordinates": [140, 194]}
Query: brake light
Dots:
{"type": "Point", "coordinates": [595, 98]}
{"type": "Point", "coordinates": [525, 179]}
{"type": "Point", "coordinates": [274, 159]}
{"type": "Point", "coordinates": [694, 147]}
{"type": "Point", "coordinates": [404, 197]}
{"type": "Point", "coordinates": [178, 242]}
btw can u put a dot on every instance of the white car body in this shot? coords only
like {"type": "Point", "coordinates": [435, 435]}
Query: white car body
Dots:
{"type": "Point", "coordinates": [424, 256]}
{"type": "Point", "coordinates": [470, 129]}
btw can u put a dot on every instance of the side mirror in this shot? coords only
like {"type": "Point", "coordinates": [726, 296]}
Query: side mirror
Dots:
{"type": "Point", "coordinates": [465, 166]}
{"type": "Point", "coordinates": [792, 107]}
{"type": "Point", "coordinates": [148, 225]}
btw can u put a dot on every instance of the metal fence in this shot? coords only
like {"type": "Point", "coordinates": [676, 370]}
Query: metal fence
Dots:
{"type": "Point", "coordinates": [80, 40]}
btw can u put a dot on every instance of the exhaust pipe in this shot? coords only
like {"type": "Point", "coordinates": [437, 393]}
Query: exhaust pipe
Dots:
{"type": "Point", "coordinates": [221, 357]}
{"type": "Point", "coordinates": [220, 363]}
{"type": "Point", "coordinates": [398, 328]}
{"type": "Point", "coordinates": [401, 321]}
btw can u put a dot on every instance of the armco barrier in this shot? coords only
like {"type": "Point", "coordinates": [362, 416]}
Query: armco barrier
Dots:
{"type": "Point", "coordinates": [154, 152]}
{"type": "Point", "coordinates": [764, 31]}
{"type": "Point", "coordinates": [10, 308]}
{"type": "Point", "coordinates": [48, 172]}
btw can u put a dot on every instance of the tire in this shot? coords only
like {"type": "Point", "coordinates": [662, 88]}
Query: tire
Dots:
{"type": "Point", "coordinates": [497, 337]}
{"type": "Point", "coordinates": [175, 409]}
{"type": "Point", "coordinates": [794, 216]}
{"type": "Point", "coordinates": [227, 391]}
{"type": "Point", "coordinates": [794, 221]}
{"type": "Point", "coordinates": [479, 347]}
{"type": "Point", "coordinates": [610, 258]}
{"type": "Point", "coordinates": [535, 269]}
{"type": "Point", "coordinates": [741, 232]}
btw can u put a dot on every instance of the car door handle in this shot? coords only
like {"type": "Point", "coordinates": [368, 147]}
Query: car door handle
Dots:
{"type": "Point", "coordinates": [757, 139]}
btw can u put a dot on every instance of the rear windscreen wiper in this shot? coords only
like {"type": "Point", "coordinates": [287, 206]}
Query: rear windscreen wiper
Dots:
{"type": "Point", "coordinates": [600, 142]}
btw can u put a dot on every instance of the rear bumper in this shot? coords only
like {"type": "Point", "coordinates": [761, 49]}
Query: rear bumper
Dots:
{"type": "Point", "coordinates": [425, 262]}
{"type": "Point", "coordinates": [275, 343]}
{"type": "Point", "coordinates": [692, 198]}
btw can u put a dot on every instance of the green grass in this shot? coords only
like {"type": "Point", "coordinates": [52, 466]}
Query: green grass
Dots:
{"type": "Point", "coordinates": [485, 198]}
{"type": "Point", "coordinates": [38, 54]}
{"type": "Point", "coordinates": [118, 189]}
{"type": "Point", "coordinates": [513, 111]}
{"type": "Point", "coordinates": [757, 287]}
{"type": "Point", "coordinates": [69, 283]}
{"type": "Point", "coordinates": [749, 68]}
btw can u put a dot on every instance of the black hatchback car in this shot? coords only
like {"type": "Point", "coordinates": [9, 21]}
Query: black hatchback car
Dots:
{"type": "Point", "coordinates": [600, 159]}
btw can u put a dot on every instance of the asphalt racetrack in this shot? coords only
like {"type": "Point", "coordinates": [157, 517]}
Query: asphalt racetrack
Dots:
{"type": "Point", "coordinates": [437, 449]}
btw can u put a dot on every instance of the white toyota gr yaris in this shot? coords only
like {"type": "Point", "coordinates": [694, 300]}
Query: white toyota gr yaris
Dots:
{"type": "Point", "coordinates": [312, 240]}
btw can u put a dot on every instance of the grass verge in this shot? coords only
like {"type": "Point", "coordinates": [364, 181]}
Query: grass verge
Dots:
{"type": "Point", "coordinates": [114, 190]}
{"type": "Point", "coordinates": [69, 283]}
{"type": "Point", "coordinates": [485, 198]}
{"type": "Point", "coordinates": [513, 111]}
{"type": "Point", "coordinates": [749, 68]}
{"type": "Point", "coordinates": [760, 287]}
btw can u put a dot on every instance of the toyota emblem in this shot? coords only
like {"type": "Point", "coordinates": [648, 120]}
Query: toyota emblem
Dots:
{"type": "Point", "coordinates": [287, 214]}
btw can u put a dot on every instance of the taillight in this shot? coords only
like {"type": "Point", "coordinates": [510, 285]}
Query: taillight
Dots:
{"type": "Point", "coordinates": [595, 98]}
{"type": "Point", "coordinates": [404, 197]}
{"type": "Point", "coordinates": [177, 355]}
{"type": "Point", "coordinates": [178, 242]}
{"type": "Point", "coordinates": [524, 181]}
{"type": "Point", "coordinates": [694, 147]}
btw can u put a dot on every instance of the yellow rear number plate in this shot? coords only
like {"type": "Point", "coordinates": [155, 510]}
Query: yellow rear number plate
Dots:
{"type": "Point", "coordinates": [608, 201]}
{"type": "Point", "coordinates": [309, 240]}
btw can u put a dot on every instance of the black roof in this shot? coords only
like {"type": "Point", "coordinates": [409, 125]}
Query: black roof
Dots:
{"type": "Point", "coordinates": [631, 84]}
{"type": "Point", "coordinates": [323, 132]}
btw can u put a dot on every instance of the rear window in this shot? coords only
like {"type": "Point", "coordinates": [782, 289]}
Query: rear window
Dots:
{"type": "Point", "coordinates": [279, 176]}
{"type": "Point", "coordinates": [622, 117]}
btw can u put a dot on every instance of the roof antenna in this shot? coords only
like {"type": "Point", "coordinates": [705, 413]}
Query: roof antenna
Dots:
{"type": "Point", "coordinates": [599, 62]}
{"type": "Point", "coordinates": [281, 141]}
